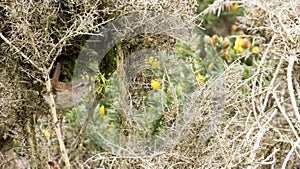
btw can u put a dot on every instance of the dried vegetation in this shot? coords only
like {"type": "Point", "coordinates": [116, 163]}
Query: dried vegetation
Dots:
{"type": "Point", "coordinates": [257, 126]}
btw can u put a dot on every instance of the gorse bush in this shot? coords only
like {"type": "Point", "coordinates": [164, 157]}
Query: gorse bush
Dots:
{"type": "Point", "coordinates": [149, 96]}
{"type": "Point", "coordinates": [171, 96]}
{"type": "Point", "coordinates": [151, 92]}
{"type": "Point", "coordinates": [221, 20]}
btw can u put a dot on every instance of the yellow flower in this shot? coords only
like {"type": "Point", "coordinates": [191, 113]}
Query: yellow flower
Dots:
{"type": "Point", "coordinates": [155, 84]}
{"type": "Point", "coordinates": [80, 146]}
{"type": "Point", "coordinates": [155, 63]}
{"type": "Point", "coordinates": [235, 6]}
{"type": "Point", "coordinates": [102, 110]}
{"type": "Point", "coordinates": [255, 49]}
{"type": "Point", "coordinates": [238, 45]}
{"type": "Point", "coordinates": [232, 7]}
{"type": "Point", "coordinates": [45, 132]}
{"type": "Point", "coordinates": [200, 78]}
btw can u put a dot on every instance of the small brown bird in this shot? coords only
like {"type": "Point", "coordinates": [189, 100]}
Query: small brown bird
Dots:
{"type": "Point", "coordinates": [66, 94]}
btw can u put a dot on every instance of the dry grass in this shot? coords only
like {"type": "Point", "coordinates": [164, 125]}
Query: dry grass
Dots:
{"type": "Point", "coordinates": [256, 126]}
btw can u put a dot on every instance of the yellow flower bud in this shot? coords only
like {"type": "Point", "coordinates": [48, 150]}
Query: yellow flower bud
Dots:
{"type": "Point", "coordinates": [80, 146]}
{"type": "Point", "coordinates": [255, 49]}
{"type": "Point", "coordinates": [214, 39]}
{"type": "Point", "coordinates": [102, 110]}
{"type": "Point", "coordinates": [211, 65]}
{"type": "Point", "coordinates": [234, 28]}
{"type": "Point", "coordinates": [246, 43]}
{"type": "Point", "coordinates": [226, 44]}
{"type": "Point", "coordinates": [155, 63]}
{"type": "Point", "coordinates": [226, 56]}
{"type": "Point", "coordinates": [45, 132]}
{"type": "Point", "coordinates": [200, 78]}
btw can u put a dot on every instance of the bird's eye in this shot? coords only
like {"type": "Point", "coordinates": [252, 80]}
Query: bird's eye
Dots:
{"type": "Point", "coordinates": [81, 85]}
